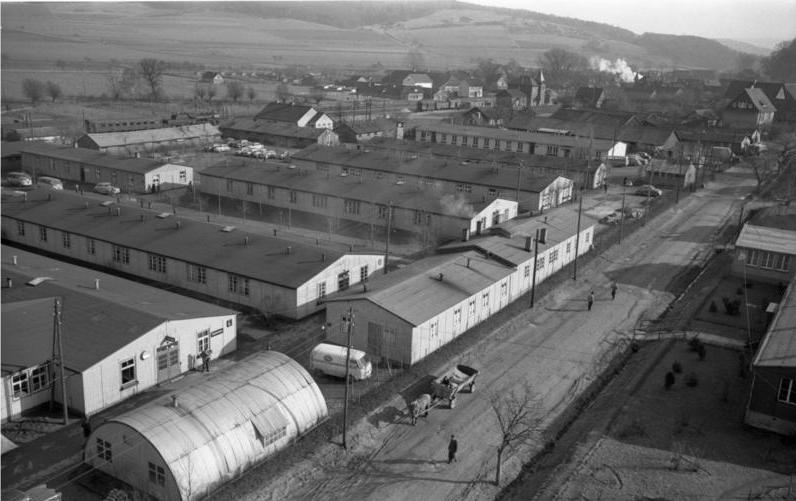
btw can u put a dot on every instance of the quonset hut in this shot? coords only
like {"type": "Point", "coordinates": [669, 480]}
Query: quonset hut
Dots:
{"type": "Point", "coordinates": [187, 444]}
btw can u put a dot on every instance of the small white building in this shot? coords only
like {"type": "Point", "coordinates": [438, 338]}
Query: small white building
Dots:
{"type": "Point", "coordinates": [119, 337]}
{"type": "Point", "coordinates": [406, 315]}
{"type": "Point", "coordinates": [269, 274]}
{"type": "Point", "coordinates": [185, 445]}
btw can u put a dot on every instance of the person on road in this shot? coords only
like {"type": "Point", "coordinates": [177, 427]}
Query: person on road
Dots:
{"type": "Point", "coordinates": [205, 356]}
{"type": "Point", "coordinates": [86, 425]}
{"type": "Point", "coordinates": [590, 300]}
{"type": "Point", "coordinates": [453, 446]}
{"type": "Point", "coordinates": [613, 289]}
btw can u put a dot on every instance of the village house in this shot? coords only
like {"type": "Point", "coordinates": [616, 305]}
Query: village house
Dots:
{"type": "Point", "coordinates": [282, 134]}
{"type": "Point", "coordinates": [418, 80]}
{"type": "Point", "coordinates": [146, 142]}
{"type": "Point", "coordinates": [589, 97]}
{"type": "Point", "coordinates": [750, 109]}
{"type": "Point", "coordinates": [119, 337]}
{"type": "Point", "coordinates": [265, 273]}
{"type": "Point", "coordinates": [211, 77]}
{"type": "Point", "coordinates": [80, 165]}
{"type": "Point", "coordinates": [766, 246]}
{"type": "Point", "coordinates": [294, 114]}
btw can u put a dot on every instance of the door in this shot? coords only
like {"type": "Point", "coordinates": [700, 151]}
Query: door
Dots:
{"type": "Point", "coordinates": [168, 360]}
{"type": "Point", "coordinates": [82, 174]}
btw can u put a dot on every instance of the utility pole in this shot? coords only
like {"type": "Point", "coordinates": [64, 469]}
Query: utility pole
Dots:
{"type": "Point", "coordinates": [649, 199]}
{"type": "Point", "coordinates": [535, 256]}
{"type": "Point", "coordinates": [679, 173]}
{"type": "Point", "coordinates": [350, 324]}
{"type": "Point", "coordinates": [622, 215]}
{"type": "Point", "coordinates": [577, 236]}
{"type": "Point", "coordinates": [387, 245]}
{"type": "Point", "coordinates": [58, 358]}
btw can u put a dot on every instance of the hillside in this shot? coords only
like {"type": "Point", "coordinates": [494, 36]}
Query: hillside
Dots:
{"type": "Point", "coordinates": [446, 34]}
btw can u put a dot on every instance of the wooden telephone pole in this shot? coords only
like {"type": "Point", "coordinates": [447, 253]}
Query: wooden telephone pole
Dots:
{"type": "Point", "coordinates": [350, 325]}
{"type": "Point", "coordinates": [58, 359]}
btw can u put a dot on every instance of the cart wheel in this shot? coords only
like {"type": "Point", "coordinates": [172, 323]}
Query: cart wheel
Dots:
{"type": "Point", "coordinates": [453, 403]}
{"type": "Point", "coordinates": [472, 387]}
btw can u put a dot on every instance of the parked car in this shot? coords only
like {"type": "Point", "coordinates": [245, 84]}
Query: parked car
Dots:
{"type": "Point", "coordinates": [220, 148]}
{"type": "Point", "coordinates": [106, 189]}
{"type": "Point", "coordinates": [18, 179]}
{"type": "Point", "coordinates": [648, 190]}
{"type": "Point", "coordinates": [50, 182]}
{"type": "Point", "coordinates": [330, 359]}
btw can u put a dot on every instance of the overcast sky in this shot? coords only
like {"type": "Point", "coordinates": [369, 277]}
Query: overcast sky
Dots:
{"type": "Point", "coordinates": [737, 19]}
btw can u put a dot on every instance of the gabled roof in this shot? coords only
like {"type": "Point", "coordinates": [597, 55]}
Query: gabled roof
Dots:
{"type": "Point", "coordinates": [95, 322]}
{"type": "Point", "coordinates": [413, 79]}
{"type": "Point", "coordinates": [415, 293]}
{"type": "Point", "coordinates": [256, 256]}
{"type": "Point", "coordinates": [281, 129]}
{"type": "Point", "coordinates": [782, 241]}
{"type": "Point", "coordinates": [92, 157]}
{"type": "Point", "coordinates": [778, 348]}
{"type": "Point", "coordinates": [589, 95]}
{"type": "Point", "coordinates": [133, 137]}
{"type": "Point", "coordinates": [757, 98]}
{"type": "Point", "coordinates": [477, 173]}
{"type": "Point", "coordinates": [607, 117]}
{"type": "Point", "coordinates": [283, 112]}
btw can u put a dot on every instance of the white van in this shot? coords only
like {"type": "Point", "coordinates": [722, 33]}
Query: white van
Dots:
{"type": "Point", "coordinates": [330, 359]}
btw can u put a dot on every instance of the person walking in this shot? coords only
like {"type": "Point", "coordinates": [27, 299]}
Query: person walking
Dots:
{"type": "Point", "coordinates": [86, 425]}
{"type": "Point", "coordinates": [453, 446]}
{"type": "Point", "coordinates": [205, 356]}
{"type": "Point", "coordinates": [613, 290]}
{"type": "Point", "coordinates": [590, 300]}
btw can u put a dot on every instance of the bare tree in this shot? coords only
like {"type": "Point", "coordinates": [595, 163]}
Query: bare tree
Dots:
{"type": "Point", "coordinates": [251, 93]}
{"type": "Point", "coordinates": [54, 90]}
{"type": "Point", "coordinates": [764, 167]}
{"type": "Point", "coordinates": [199, 92]}
{"type": "Point", "coordinates": [151, 71]}
{"type": "Point", "coordinates": [518, 416]}
{"type": "Point", "coordinates": [558, 64]}
{"type": "Point", "coordinates": [235, 90]}
{"type": "Point", "coordinates": [211, 92]}
{"type": "Point", "coordinates": [33, 89]}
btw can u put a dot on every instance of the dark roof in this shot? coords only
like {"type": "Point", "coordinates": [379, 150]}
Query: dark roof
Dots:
{"type": "Point", "coordinates": [282, 129]}
{"type": "Point", "coordinates": [758, 99]}
{"type": "Point", "coordinates": [478, 173]}
{"type": "Point", "coordinates": [713, 135]}
{"type": "Point", "coordinates": [779, 216]}
{"type": "Point", "coordinates": [12, 148]}
{"type": "Point", "coordinates": [263, 258]}
{"type": "Point", "coordinates": [778, 348]}
{"type": "Point", "coordinates": [608, 117]}
{"type": "Point", "coordinates": [488, 156]}
{"type": "Point", "coordinates": [92, 157]}
{"type": "Point", "coordinates": [406, 196]}
{"type": "Point", "coordinates": [283, 112]}
{"type": "Point", "coordinates": [633, 134]}
{"type": "Point", "coordinates": [589, 95]}
{"type": "Point", "coordinates": [95, 323]}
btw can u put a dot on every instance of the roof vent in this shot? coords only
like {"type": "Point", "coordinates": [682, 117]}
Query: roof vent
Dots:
{"type": "Point", "coordinates": [163, 215]}
{"type": "Point", "coordinates": [227, 229]}
{"type": "Point", "coordinates": [38, 280]}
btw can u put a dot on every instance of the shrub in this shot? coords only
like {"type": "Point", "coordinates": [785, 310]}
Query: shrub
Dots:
{"type": "Point", "coordinates": [694, 343]}
{"type": "Point", "coordinates": [713, 308]}
{"type": "Point", "coordinates": [691, 380]}
{"type": "Point", "coordinates": [677, 368]}
{"type": "Point", "coordinates": [668, 380]}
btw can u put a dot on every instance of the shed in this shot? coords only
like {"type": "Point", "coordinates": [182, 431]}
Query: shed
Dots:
{"type": "Point", "coordinates": [188, 443]}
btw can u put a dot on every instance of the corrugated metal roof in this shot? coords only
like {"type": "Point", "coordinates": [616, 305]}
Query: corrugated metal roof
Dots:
{"type": "Point", "coordinates": [129, 138]}
{"type": "Point", "coordinates": [262, 257]}
{"type": "Point", "coordinates": [415, 292]}
{"type": "Point", "coordinates": [218, 429]}
{"type": "Point", "coordinates": [471, 172]}
{"type": "Point", "coordinates": [779, 346]}
{"type": "Point", "coordinates": [767, 239]}
{"type": "Point", "coordinates": [282, 129]}
{"type": "Point", "coordinates": [92, 157]}
{"type": "Point", "coordinates": [515, 135]}
{"type": "Point", "coordinates": [427, 198]}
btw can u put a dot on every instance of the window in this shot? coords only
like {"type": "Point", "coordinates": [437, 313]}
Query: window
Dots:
{"type": "Point", "coordinates": [768, 260]}
{"type": "Point", "coordinates": [43, 233]}
{"type": "Point", "coordinates": [203, 341]}
{"type": "Point", "coordinates": [492, 192]}
{"type": "Point", "coordinates": [553, 256]}
{"type": "Point", "coordinates": [342, 280]}
{"type": "Point", "coordinates": [271, 192]}
{"type": "Point", "coordinates": [230, 185]}
{"type": "Point", "coordinates": [485, 300]}
{"type": "Point", "coordinates": [91, 246]}
{"type": "Point", "coordinates": [504, 290]}
{"type": "Point", "coordinates": [787, 391]}
{"type": "Point", "coordinates": [19, 384]}
{"type": "Point", "coordinates": [433, 328]}
{"type": "Point", "coordinates": [157, 263]}
{"type": "Point", "coordinates": [229, 323]}
{"type": "Point", "coordinates": [471, 308]}
{"type": "Point", "coordinates": [128, 372]}
{"type": "Point", "coordinates": [384, 211]}
{"type": "Point", "coordinates": [569, 247]}
{"type": "Point", "coordinates": [552, 151]}
{"type": "Point", "coordinates": [39, 377]}
{"type": "Point", "coordinates": [322, 168]}
{"type": "Point", "coordinates": [197, 274]}
{"type": "Point", "coordinates": [540, 263]}
{"type": "Point", "coordinates": [321, 292]}
{"type": "Point", "coordinates": [104, 450]}
{"type": "Point", "coordinates": [183, 176]}
{"type": "Point", "coordinates": [66, 239]}
{"type": "Point", "coordinates": [457, 317]}
{"type": "Point", "coordinates": [157, 475]}
{"type": "Point", "coordinates": [293, 196]}
{"type": "Point", "coordinates": [363, 273]}
{"type": "Point", "coordinates": [319, 201]}
{"type": "Point", "coordinates": [351, 206]}
{"type": "Point", "coordinates": [586, 237]}
{"type": "Point", "coordinates": [238, 284]}
{"type": "Point", "coordinates": [121, 254]}
{"type": "Point", "coordinates": [249, 191]}
{"type": "Point", "coordinates": [21, 228]}
{"type": "Point", "coordinates": [527, 271]}
{"type": "Point", "coordinates": [418, 217]}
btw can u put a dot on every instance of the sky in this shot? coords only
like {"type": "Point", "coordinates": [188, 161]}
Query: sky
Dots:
{"type": "Point", "coordinates": [736, 19]}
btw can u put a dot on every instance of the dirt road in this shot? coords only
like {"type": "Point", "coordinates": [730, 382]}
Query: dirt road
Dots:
{"type": "Point", "coordinates": [559, 347]}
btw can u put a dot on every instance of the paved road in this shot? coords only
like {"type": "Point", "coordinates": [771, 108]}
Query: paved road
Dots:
{"type": "Point", "coordinates": [558, 348]}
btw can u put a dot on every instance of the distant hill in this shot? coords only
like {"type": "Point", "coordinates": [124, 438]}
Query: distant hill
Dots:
{"type": "Point", "coordinates": [747, 47]}
{"type": "Point", "coordinates": [445, 33]}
